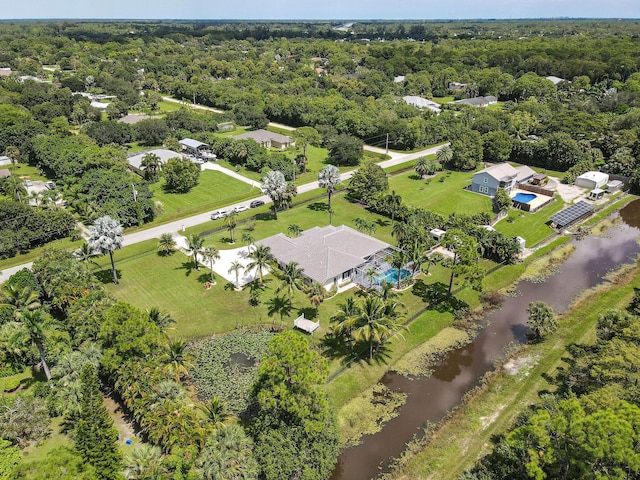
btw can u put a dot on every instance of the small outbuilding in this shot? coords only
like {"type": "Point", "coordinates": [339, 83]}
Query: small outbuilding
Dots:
{"type": "Point", "coordinates": [592, 180]}
{"type": "Point", "coordinates": [4, 160]}
{"type": "Point", "coordinates": [614, 186]}
{"type": "Point", "coordinates": [437, 233]}
{"type": "Point", "coordinates": [4, 173]}
{"type": "Point", "coordinates": [596, 194]}
{"type": "Point", "coordinates": [521, 242]}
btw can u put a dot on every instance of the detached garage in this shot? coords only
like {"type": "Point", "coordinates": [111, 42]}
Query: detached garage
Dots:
{"type": "Point", "coordinates": [592, 180]}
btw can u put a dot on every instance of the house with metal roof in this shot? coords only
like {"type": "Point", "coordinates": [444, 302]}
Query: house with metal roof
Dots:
{"type": "Point", "coordinates": [501, 175]}
{"type": "Point", "coordinates": [332, 256]}
{"type": "Point", "coordinates": [422, 103]}
{"type": "Point", "coordinates": [267, 139]}
{"type": "Point", "coordinates": [478, 101]}
{"type": "Point", "coordinates": [135, 161]}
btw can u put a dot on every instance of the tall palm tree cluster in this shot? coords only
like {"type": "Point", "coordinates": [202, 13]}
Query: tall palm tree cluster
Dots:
{"type": "Point", "coordinates": [364, 325]}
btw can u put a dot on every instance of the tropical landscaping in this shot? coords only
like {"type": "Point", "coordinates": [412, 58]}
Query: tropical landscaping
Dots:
{"type": "Point", "coordinates": [133, 348]}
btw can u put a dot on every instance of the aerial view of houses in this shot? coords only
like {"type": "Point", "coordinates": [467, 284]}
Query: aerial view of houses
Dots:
{"type": "Point", "coordinates": [309, 249]}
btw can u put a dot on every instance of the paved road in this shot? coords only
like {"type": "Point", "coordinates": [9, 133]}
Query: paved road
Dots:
{"type": "Point", "coordinates": [179, 225]}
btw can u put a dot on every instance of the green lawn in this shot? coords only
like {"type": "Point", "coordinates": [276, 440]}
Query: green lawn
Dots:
{"type": "Point", "coordinates": [444, 197]}
{"type": "Point", "coordinates": [533, 227]}
{"type": "Point", "coordinates": [305, 216]}
{"type": "Point", "coordinates": [26, 171]}
{"type": "Point", "coordinates": [34, 253]}
{"type": "Point", "coordinates": [214, 189]}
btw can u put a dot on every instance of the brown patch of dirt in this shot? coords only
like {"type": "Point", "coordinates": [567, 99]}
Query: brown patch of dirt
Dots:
{"type": "Point", "coordinates": [124, 426]}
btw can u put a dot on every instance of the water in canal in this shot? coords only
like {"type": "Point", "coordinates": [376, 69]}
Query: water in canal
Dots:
{"type": "Point", "coordinates": [430, 398]}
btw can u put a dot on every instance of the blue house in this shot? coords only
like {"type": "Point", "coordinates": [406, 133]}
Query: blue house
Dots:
{"type": "Point", "coordinates": [501, 175]}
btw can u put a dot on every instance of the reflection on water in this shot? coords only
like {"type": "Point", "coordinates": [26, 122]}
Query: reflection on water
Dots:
{"type": "Point", "coordinates": [430, 398]}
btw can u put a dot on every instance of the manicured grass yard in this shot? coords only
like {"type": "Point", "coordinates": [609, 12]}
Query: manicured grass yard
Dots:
{"type": "Point", "coordinates": [305, 216]}
{"type": "Point", "coordinates": [444, 197]}
{"type": "Point", "coordinates": [214, 189]}
{"type": "Point", "coordinates": [533, 227]}
{"type": "Point", "coordinates": [148, 279]}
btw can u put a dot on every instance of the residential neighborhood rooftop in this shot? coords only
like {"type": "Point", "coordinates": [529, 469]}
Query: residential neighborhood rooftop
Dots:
{"type": "Point", "coordinates": [324, 252]}
{"type": "Point", "coordinates": [263, 136]}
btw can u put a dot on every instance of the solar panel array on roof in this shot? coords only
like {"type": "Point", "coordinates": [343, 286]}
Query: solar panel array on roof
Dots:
{"type": "Point", "coordinates": [571, 214]}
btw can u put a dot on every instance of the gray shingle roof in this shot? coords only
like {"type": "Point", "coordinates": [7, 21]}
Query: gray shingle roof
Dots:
{"type": "Point", "coordinates": [324, 253]}
{"type": "Point", "coordinates": [262, 136]}
{"type": "Point", "coordinates": [162, 153]}
{"type": "Point", "coordinates": [500, 171]}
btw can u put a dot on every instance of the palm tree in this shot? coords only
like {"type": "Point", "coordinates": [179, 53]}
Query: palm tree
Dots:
{"type": "Point", "coordinates": [416, 255]}
{"type": "Point", "coordinates": [372, 276]}
{"type": "Point", "coordinates": [211, 254]}
{"type": "Point", "coordinates": [423, 167]}
{"type": "Point", "coordinates": [274, 185]}
{"type": "Point", "coordinates": [316, 294]}
{"type": "Point", "coordinates": [365, 226]}
{"type": "Point", "coordinates": [20, 298]}
{"type": "Point", "coordinates": [377, 322]}
{"type": "Point", "coordinates": [216, 411]}
{"type": "Point", "coordinates": [236, 266]}
{"type": "Point", "coordinates": [16, 188]}
{"type": "Point", "coordinates": [151, 164]}
{"type": "Point", "coordinates": [230, 220]}
{"type": "Point", "coordinates": [444, 154]}
{"type": "Point", "coordinates": [294, 230]}
{"type": "Point", "coordinates": [435, 257]}
{"type": "Point", "coordinates": [105, 236]}
{"type": "Point", "coordinates": [345, 319]}
{"type": "Point", "coordinates": [393, 203]}
{"type": "Point", "coordinates": [161, 318]}
{"type": "Point", "coordinates": [195, 243]}
{"type": "Point", "coordinates": [176, 359]}
{"type": "Point", "coordinates": [248, 239]}
{"type": "Point", "coordinates": [329, 178]}
{"type": "Point", "coordinates": [35, 196]}
{"type": "Point", "coordinates": [144, 461]}
{"type": "Point", "coordinates": [34, 323]}
{"type": "Point", "coordinates": [281, 305]}
{"type": "Point", "coordinates": [166, 244]}
{"type": "Point", "coordinates": [85, 254]}
{"type": "Point", "coordinates": [398, 260]}
{"type": "Point", "coordinates": [292, 277]}
{"type": "Point", "coordinates": [261, 257]}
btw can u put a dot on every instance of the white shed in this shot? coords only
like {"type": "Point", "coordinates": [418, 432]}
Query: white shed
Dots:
{"type": "Point", "coordinates": [592, 180]}
{"type": "Point", "coordinates": [437, 234]}
{"type": "Point", "coordinates": [521, 242]}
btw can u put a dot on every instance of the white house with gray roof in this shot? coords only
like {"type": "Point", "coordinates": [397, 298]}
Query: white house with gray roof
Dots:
{"type": "Point", "coordinates": [267, 139]}
{"type": "Point", "coordinates": [330, 255]}
{"type": "Point", "coordinates": [422, 103]}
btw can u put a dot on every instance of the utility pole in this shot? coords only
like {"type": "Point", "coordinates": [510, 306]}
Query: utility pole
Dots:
{"type": "Point", "coordinates": [387, 146]}
{"type": "Point", "coordinates": [135, 192]}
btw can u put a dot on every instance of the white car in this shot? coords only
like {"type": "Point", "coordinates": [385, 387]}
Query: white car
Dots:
{"type": "Point", "coordinates": [219, 214]}
{"type": "Point", "coordinates": [240, 208]}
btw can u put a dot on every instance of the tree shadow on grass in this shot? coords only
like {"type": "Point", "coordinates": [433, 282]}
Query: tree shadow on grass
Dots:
{"type": "Point", "coordinates": [382, 222]}
{"type": "Point", "coordinates": [106, 276]}
{"type": "Point", "coordinates": [308, 312]}
{"type": "Point", "coordinates": [435, 294]}
{"type": "Point", "coordinates": [415, 177]}
{"type": "Point", "coordinates": [187, 267]}
{"type": "Point", "coordinates": [318, 207]}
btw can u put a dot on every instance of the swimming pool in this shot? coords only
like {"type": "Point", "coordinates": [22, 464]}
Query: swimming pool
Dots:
{"type": "Point", "coordinates": [391, 275]}
{"type": "Point", "coordinates": [524, 197]}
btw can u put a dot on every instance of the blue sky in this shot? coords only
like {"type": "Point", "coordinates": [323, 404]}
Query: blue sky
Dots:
{"type": "Point", "coordinates": [318, 9]}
